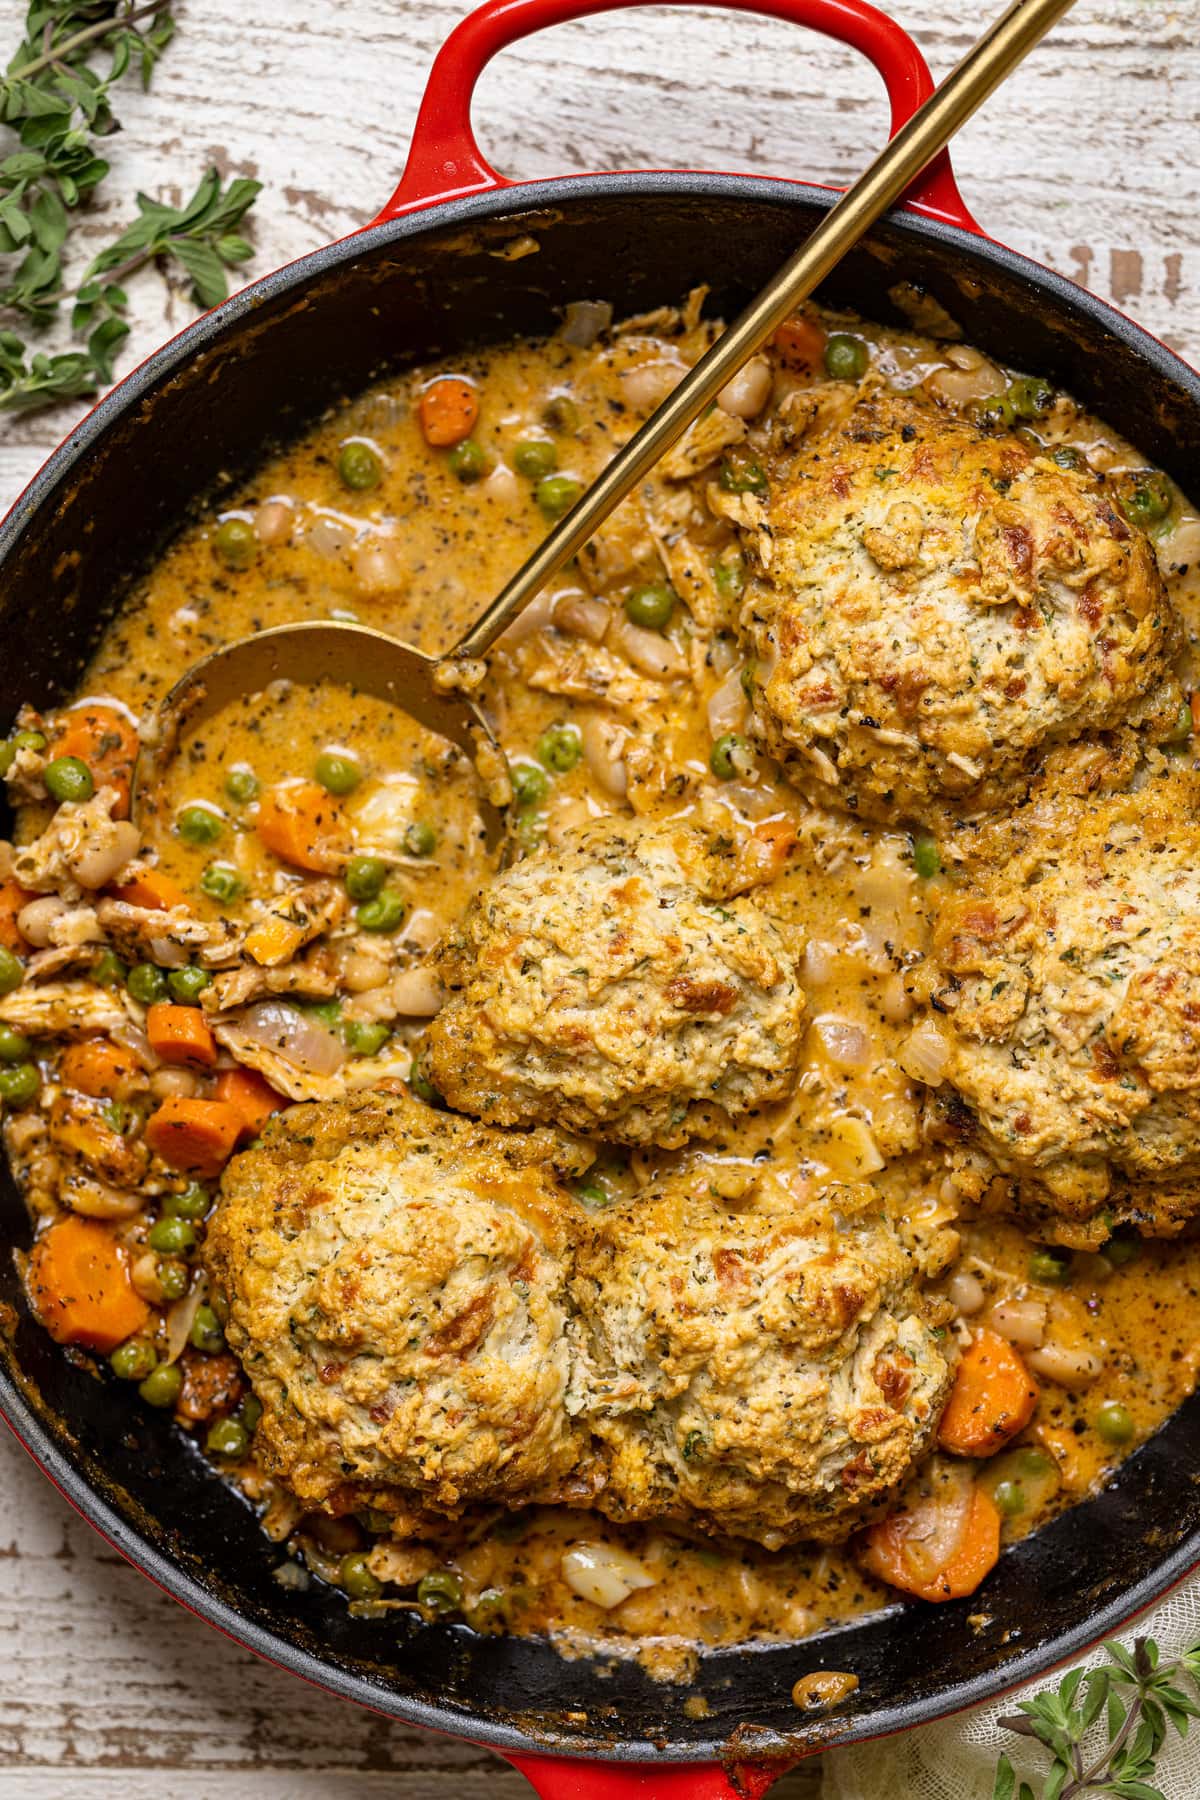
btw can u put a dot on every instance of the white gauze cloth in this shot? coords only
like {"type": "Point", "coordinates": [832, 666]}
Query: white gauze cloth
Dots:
{"type": "Point", "coordinates": [956, 1760]}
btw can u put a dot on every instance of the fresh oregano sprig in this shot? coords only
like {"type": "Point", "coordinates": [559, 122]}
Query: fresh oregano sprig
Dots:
{"type": "Point", "coordinates": [56, 105]}
{"type": "Point", "coordinates": [1141, 1700]}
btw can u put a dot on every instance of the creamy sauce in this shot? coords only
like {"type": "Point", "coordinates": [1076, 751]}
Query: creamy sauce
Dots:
{"type": "Point", "coordinates": [418, 555]}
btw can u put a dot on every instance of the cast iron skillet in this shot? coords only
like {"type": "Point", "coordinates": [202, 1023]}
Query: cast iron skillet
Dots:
{"type": "Point", "coordinates": [427, 277]}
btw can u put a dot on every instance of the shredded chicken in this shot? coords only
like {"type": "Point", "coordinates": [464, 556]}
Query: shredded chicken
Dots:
{"type": "Point", "coordinates": [82, 848]}
{"type": "Point", "coordinates": [171, 939]}
{"type": "Point", "coordinates": [65, 1009]}
{"type": "Point", "coordinates": [286, 925]}
{"type": "Point", "coordinates": [700, 447]}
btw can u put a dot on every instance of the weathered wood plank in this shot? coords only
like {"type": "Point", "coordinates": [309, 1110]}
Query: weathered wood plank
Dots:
{"type": "Point", "coordinates": [111, 1692]}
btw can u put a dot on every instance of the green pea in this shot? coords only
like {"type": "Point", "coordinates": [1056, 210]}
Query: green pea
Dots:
{"type": "Point", "coordinates": [222, 882]}
{"type": "Point", "coordinates": [560, 413]}
{"type": "Point", "coordinates": [440, 1590]}
{"type": "Point", "coordinates": [742, 475]}
{"type": "Point", "coordinates": [927, 858]}
{"type": "Point", "coordinates": [1030, 396]}
{"type": "Point", "coordinates": [8, 756]}
{"type": "Point", "coordinates": [133, 1360]}
{"type": "Point", "coordinates": [694, 1445]}
{"type": "Point", "coordinates": [1052, 1268]}
{"type": "Point", "coordinates": [729, 756]}
{"type": "Point", "coordinates": [1181, 729]}
{"type": "Point", "coordinates": [359, 466]}
{"type": "Point", "coordinates": [355, 1575]}
{"type": "Point", "coordinates": [364, 877]}
{"type": "Point", "coordinates": [241, 785]}
{"type": "Point", "coordinates": [651, 606]}
{"type": "Point", "coordinates": [162, 1386]}
{"type": "Point", "coordinates": [108, 969]}
{"type": "Point", "coordinates": [12, 970]}
{"type": "Point", "coordinates": [1114, 1423]}
{"type": "Point", "coordinates": [468, 460]}
{"type": "Point", "coordinates": [1066, 456]}
{"type": "Point", "coordinates": [730, 575]}
{"type": "Point", "coordinates": [206, 1333]}
{"type": "Point", "coordinates": [420, 839]}
{"type": "Point", "coordinates": [235, 543]}
{"type": "Point", "coordinates": [535, 457]}
{"type": "Point", "coordinates": [250, 1412]}
{"type": "Point", "coordinates": [559, 748]}
{"type": "Point", "coordinates": [337, 774]}
{"type": "Point", "coordinates": [1122, 1249]}
{"type": "Point", "coordinates": [193, 1203]}
{"type": "Point", "coordinates": [490, 1609]}
{"type": "Point", "coordinates": [29, 740]}
{"type": "Point", "coordinates": [845, 357]}
{"type": "Point", "coordinates": [147, 983]}
{"type": "Point", "coordinates": [188, 984]}
{"type": "Point", "coordinates": [172, 1235]}
{"type": "Point", "coordinates": [557, 494]}
{"type": "Point", "coordinates": [996, 413]}
{"type": "Point", "coordinates": [198, 824]}
{"type": "Point", "coordinates": [329, 1012]}
{"type": "Point", "coordinates": [421, 1085]}
{"type": "Point", "coordinates": [1009, 1498]}
{"type": "Point", "coordinates": [1144, 498]}
{"type": "Point", "coordinates": [174, 1278]}
{"type": "Point", "coordinates": [227, 1437]}
{"type": "Point", "coordinates": [67, 779]}
{"type": "Point", "coordinates": [1036, 1464]}
{"type": "Point", "coordinates": [20, 1083]}
{"type": "Point", "coordinates": [384, 913]}
{"type": "Point", "coordinates": [13, 1046]}
{"type": "Point", "coordinates": [529, 785]}
{"type": "Point", "coordinates": [592, 1195]}
{"type": "Point", "coordinates": [363, 1038]}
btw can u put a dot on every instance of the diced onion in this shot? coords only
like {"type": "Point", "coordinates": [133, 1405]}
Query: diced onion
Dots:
{"type": "Point", "coordinates": [180, 1318]}
{"type": "Point", "coordinates": [727, 706]}
{"type": "Point", "coordinates": [295, 1037]}
{"type": "Point", "coordinates": [603, 1574]}
{"type": "Point", "coordinates": [648, 651]}
{"type": "Point", "coordinates": [584, 321]}
{"type": "Point", "coordinates": [924, 1054]}
{"type": "Point", "coordinates": [845, 1043]}
{"type": "Point", "coordinates": [582, 616]}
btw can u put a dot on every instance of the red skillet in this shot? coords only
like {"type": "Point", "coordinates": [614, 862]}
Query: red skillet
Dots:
{"type": "Point", "coordinates": [420, 282]}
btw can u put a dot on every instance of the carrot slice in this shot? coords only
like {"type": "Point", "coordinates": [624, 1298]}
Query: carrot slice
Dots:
{"type": "Point", "coordinates": [80, 1288]}
{"type": "Point", "coordinates": [300, 824]}
{"type": "Point", "coordinates": [890, 1550]}
{"type": "Point", "coordinates": [180, 1034]}
{"type": "Point", "coordinates": [196, 1137]}
{"type": "Point", "coordinates": [448, 410]}
{"type": "Point", "coordinates": [151, 889]}
{"type": "Point", "coordinates": [103, 738]}
{"type": "Point", "coordinates": [252, 1098]}
{"type": "Point", "coordinates": [801, 344]}
{"type": "Point", "coordinates": [12, 898]}
{"type": "Point", "coordinates": [101, 1068]}
{"type": "Point", "coordinates": [993, 1398]}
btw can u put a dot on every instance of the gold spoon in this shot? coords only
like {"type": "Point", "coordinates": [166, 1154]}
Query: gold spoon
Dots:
{"type": "Point", "coordinates": [425, 686]}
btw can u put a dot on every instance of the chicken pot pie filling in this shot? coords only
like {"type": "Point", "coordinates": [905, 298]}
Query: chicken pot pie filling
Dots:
{"type": "Point", "coordinates": [770, 1185]}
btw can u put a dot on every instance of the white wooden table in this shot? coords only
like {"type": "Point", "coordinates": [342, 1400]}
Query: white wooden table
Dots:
{"type": "Point", "coordinates": [1087, 161]}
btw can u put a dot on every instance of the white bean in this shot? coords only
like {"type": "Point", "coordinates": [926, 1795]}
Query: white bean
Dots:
{"type": "Point", "coordinates": [1020, 1321]}
{"type": "Point", "coordinates": [417, 994]}
{"type": "Point", "coordinates": [35, 920]}
{"type": "Point", "coordinates": [101, 858]}
{"type": "Point", "coordinates": [583, 617]}
{"type": "Point", "coordinates": [966, 1291]}
{"type": "Point", "coordinates": [650, 382]}
{"type": "Point", "coordinates": [503, 485]}
{"type": "Point", "coordinates": [603, 739]}
{"type": "Point", "coordinates": [1073, 1369]}
{"type": "Point", "coordinates": [273, 521]}
{"type": "Point", "coordinates": [379, 566]}
{"type": "Point", "coordinates": [748, 392]}
{"type": "Point", "coordinates": [165, 1084]}
{"type": "Point", "coordinates": [648, 651]}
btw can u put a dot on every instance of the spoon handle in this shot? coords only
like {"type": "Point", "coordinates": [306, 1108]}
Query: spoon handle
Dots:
{"type": "Point", "coordinates": [894, 170]}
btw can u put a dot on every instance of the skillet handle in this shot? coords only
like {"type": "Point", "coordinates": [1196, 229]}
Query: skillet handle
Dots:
{"type": "Point", "coordinates": [445, 161]}
{"type": "Point", "coordinates": [557, 1778]}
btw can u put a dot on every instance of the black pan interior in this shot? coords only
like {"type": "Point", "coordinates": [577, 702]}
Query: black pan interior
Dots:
{"type": "Point", "coordinates": [196, 417]}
